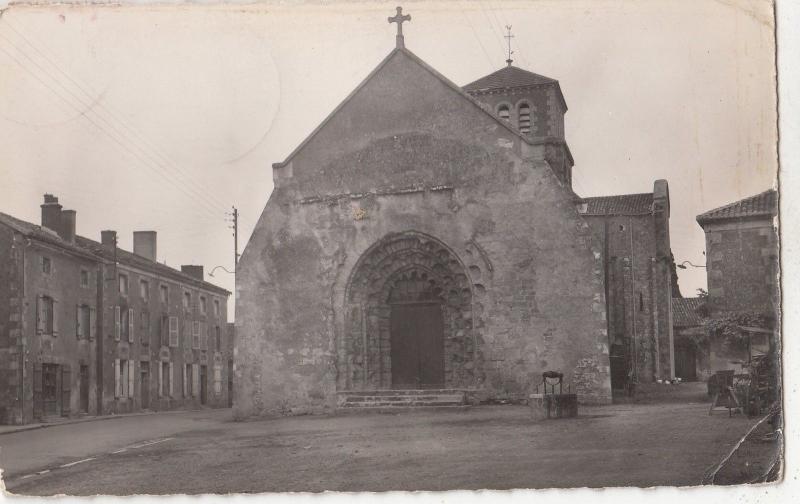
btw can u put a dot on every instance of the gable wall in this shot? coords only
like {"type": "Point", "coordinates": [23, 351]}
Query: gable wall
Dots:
{"type": "Point", "coordinates": [433, 164]}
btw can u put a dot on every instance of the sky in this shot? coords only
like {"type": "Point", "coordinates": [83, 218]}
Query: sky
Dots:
{"type": "Point", "coordinates": [165, 117]}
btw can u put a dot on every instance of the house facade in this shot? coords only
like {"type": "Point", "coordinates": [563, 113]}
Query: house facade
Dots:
{"type": "Point", "coordinates": [89, 328]}
{"type": "Point", "coordinates": [743, 266]}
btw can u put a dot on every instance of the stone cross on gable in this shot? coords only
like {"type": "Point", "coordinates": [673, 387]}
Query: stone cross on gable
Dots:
{"type": "Point", "coordinates": [399, 19]}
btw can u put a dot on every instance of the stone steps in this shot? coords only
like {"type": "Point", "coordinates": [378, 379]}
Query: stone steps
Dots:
{"type": "Point", "coordinates": [401, 398]}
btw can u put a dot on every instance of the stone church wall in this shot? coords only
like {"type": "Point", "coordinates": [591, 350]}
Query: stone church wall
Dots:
{"type": "Point", "coordinates": [484, 213]}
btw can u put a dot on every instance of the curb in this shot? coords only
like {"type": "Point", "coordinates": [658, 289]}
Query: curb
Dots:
{"type": "Point", "coordinates": [23, 428]}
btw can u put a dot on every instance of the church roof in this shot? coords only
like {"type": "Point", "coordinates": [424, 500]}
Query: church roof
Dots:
{"type": "Point", "coordinates": [508, 77]}
{"type": "Point", "coordinates": [416, 59]}
{"type": "Point", "coordinates": [685, 312]}
{"type": "Point", "coordinates": [621, 204]}
{"type": "Point", "coordinates": [764, 204]}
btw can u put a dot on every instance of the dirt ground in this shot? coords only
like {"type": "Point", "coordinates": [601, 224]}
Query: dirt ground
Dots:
{"type": "Point", "coordinates": [494, 447]}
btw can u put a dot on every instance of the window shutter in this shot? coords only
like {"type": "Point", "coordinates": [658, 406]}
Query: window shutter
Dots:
{"type": "Point", "coordinates": [185, 387]}
{"type": "Point", "coordinates": [39, 314]}
{"type": "Point", "coordinates": [160, 379]}
{"type": "Point", "coordinates": [117, 317]}
{"type": "Point", "coordinates": [66, 387]}
{"type": "Point", "coordinates": [195, 379]}
{"type": "Point", "coordinates": [171, 378]}
{"type": "Point", "coordinates": [130, 325]}
{"type": "Point", "coordinates": [131, 375]}
{"type": "Point", "coordinates": [117, 383]}
{"type": "Point", "coordinates": [92, 323]}
{"type": "Point", "coordinates": [78, 328]}
{"type": "Point", "coordinates": [55, 317]}
{"type": "Point", "coordinates": [173, 331]}
{"type": "Point", "coordinates": [38, 400]}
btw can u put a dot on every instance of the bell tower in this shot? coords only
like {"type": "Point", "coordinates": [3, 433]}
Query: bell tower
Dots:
{"type": "Point", "coordinates": [531, 103]}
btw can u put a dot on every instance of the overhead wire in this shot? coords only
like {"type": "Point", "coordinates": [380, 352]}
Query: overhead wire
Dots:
{"type": "Point", "coordinates": [113, 113]}
{"type": "Point", "coordinates": [117, 136]}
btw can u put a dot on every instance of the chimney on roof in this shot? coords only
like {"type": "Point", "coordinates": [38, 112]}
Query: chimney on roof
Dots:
{"type": "Point", "coordinates": [108, 238]}
{"type": "Point", "coordinates": [144, 244]}
{"type": "Point", "coordinates": [67, 230]}
{"type": "Point", "coordinates": [193, 270]}
{"type": "Point", "coordinates": [51, 213]}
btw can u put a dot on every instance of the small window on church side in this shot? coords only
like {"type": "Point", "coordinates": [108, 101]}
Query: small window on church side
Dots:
{"type": "Point", "coordinates": [525, 118]}
{"type": "Point", "coordinates": [504, 112]}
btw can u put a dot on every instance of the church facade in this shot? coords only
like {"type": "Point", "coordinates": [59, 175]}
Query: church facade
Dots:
{"type": "Point", "coordinates": [426, 236]}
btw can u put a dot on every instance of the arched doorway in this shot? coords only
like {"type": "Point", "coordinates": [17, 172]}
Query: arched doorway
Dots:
{"type": "Point", "coordinates": [409, 318]}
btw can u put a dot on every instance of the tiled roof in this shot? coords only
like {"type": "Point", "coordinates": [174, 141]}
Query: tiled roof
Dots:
{"type": "Point", "coordinates": [760, 205]}
{"type": "Point", "coordinates": [40, 233]}
{"type": "Point", "coordinates": [508, 77]}
{"type": "Point", "coordinates": [621, 204]}
{"type": "Point", "coordinates": [131, 259]}
{"type": "Point", "coordinates": [95, 250]}
{"type": "Point", "coordinates": [685, 312]}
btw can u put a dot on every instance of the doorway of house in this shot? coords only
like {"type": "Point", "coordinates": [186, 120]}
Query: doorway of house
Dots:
{"type": "Point", "coordinates": [144, 370]}
{"type": "Point", "coordinates": [686, 362]}
{"type": "Point", "coordinates": [83, 383]}
{"type": "Point", "coordinates": [230, 384]}
{"type": "Point", "coordinates": [51, 396]}
{"type": "Point", "coordinates": [417, 346]}
{"type": "Point", "coordinates": [203, 384]}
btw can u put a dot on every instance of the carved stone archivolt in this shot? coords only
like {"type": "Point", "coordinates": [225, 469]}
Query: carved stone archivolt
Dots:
{"type": "Point", "coordinates": [407, 267]}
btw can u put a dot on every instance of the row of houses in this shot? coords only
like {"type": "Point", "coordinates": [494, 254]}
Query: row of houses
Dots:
{"type": "Point", "coordinates": [87, 328]}
{"type": "Point", "coordinates": [742, 267]}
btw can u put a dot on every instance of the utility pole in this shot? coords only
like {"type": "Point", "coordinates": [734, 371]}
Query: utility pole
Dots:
{"type": "Point", "coordinates": [235, 238]}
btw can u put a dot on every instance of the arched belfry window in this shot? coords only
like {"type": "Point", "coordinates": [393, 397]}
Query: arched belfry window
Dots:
{"type": "Point", "coordinates": [504, 112]}
{"type": "Point", "coordinates": [524, 115]}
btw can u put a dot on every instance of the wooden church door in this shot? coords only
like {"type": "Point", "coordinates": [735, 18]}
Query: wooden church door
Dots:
{"type": "Point", "coordinates": [417, 346]}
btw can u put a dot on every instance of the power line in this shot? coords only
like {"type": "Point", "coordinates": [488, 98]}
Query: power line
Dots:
{"type": "Point", "coordinates": [488, 58]}
{"type": "Point", "coordinates": [90, 95]}
{"type": "Point", "coordinates": [86, 113]}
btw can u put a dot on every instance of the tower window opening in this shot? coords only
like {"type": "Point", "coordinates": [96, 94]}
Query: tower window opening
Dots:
{"type": "Point", "coordinates": [525, 118]}
{"type": "Point", "coordinates": [504, 112]}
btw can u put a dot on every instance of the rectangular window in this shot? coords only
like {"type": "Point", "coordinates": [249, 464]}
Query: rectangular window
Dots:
{"type": "Point", "coordinates": [164, 330]}
{"type": "Point", "coordinates": [144, 290]}
{"type": "Point", "coordinates": [217, 339]}
{"type": "Point", "coordinates": [45, 319]}
{"type": "Point", "coordinates": [202, 305]}
{"type": "Point", "coordinates": [216, 307]}
{"type": "Point", "coordinates": [84, 278]}
{"type": "Point", "coordinates": [123, 284]}
{"type": "Point", "coordinates": [164, 294]}
{"type": "Point", "coordinates": [173, 331]}
{"type": "Point", "coordinates": [125, 319]}
{"type": "Point", "coordinates": [187, 300]}
{"type": "Point", "coordinates": [47, 265]}
{"type": "Point", "coordinates": [117, 322]}
{"type": "Point", "coordinates": [196, 335]}
{"type": "Point", "coordinates": [144, 327]}
{"type": "Point", "coordinates": [83, 322]}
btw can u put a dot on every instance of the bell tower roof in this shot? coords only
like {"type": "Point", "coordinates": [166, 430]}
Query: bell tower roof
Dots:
{"type": "Point", "coordinates": [506, 78]}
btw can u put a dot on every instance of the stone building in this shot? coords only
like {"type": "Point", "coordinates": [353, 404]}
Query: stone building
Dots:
{"type": "Point", "coordinates": [426, 236]}
{"type": "Point", "coordinates": [89, 328]}
{"type": "Point", "coordinates": [638, 279]}
{"type": "Point", "coordinates": [742, 265]}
